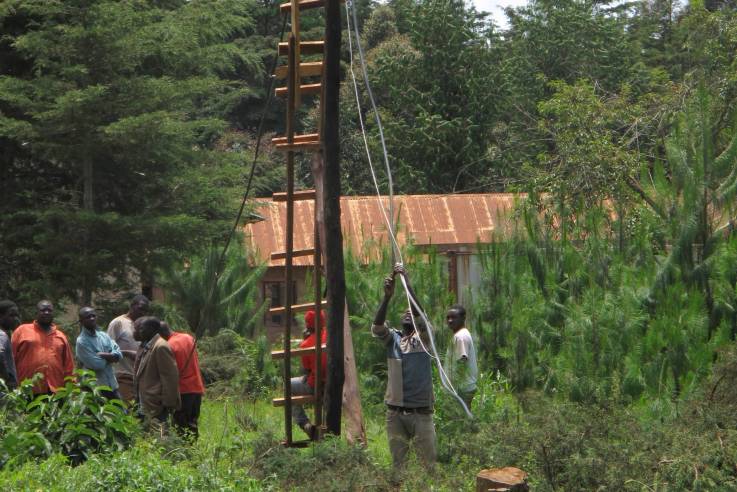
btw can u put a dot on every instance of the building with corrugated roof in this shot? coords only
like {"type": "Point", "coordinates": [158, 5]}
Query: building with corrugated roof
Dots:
{"type": "Point", "coordinates": [452, 224]}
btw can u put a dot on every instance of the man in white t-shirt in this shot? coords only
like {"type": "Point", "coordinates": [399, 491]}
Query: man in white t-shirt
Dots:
{"type": "Point", "coordinates": [120, 330]}
{"type": "Point", "coordinates": [461, 356]}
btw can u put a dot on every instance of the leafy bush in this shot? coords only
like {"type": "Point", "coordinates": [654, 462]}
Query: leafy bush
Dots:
{"type": "Point", "coordinates": [75, 422]}
{"type": "Point", "coordinates": [205, 305]}
{"type": "Point", "coordinates": [234, 364]}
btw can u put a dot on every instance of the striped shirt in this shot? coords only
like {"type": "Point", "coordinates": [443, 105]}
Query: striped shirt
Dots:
{"type": "Point", "coordinates": [409, 382]}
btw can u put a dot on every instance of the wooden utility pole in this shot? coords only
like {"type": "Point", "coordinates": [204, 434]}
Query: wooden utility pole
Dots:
{"type": "Point", "coordinates": [334, 270]}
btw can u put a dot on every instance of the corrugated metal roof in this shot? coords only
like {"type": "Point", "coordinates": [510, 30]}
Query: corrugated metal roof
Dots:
{"type": "Point", "coordinates": [446, 221]}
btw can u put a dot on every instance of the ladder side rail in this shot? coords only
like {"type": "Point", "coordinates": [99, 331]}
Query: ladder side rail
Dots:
{"type": "Point", "coordinates": [289, 247]}
{"type": "Point", "coordinates": [317, 277]}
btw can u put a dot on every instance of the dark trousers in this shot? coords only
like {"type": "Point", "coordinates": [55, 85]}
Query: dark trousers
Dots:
{"type": "Point", "coordinates": [185, 419]}
{"type": "Point", "coordinates": [111, 395]}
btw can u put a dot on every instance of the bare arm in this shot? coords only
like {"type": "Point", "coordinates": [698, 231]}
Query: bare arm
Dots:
{"type": "Point", "coordinates": [380, 317]}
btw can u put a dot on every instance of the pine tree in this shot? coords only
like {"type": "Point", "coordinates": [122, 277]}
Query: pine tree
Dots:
{"type": "Point", "coordinates": [112, 110]}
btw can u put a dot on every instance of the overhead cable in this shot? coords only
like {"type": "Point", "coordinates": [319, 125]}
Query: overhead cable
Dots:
{"type": "Point", "coordinates": [412, 303]}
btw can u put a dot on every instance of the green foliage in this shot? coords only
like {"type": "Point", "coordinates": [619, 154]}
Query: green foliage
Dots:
{"type": "Point", "coordinates": [210, 297]}
{"type": "Point", "coordinates": [76, 422]}
{"type": "Point", "coordinates": [569, 314]}
{"type": "Point", "coordinates": [590, 158]}
{"type": "Point", "coordinates": [110, 113]}
{"type": "Point", "coordinates": [437, 125]}
{"type": "Point", "coordinates": [233, 364]}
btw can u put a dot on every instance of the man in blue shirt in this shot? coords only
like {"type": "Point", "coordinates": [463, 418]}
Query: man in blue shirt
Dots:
{"type": "Point", "coordinates": [97, 352]}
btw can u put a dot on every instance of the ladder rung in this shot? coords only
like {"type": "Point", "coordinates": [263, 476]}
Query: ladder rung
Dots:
{"type": "Point", "coordinates": [296, 196]}
{"type": "Point", "coordinates": [298, 400]}
{"type": "Point", "coordinates": [297, 252]}
{"type": "Point", "coordinates": [308, 69]}
{"type": "Point", "coordinates": [279, 354]}
{"type": "Point", "coordinates": [297, 146]}
{"type": "Point", "coordinates": [303, 5]}
{"type": "Point", "coordinates": [304, 89]}
{"type": "Point", "coordinates": [308, 137]}
{"type": "Point", "coordinates": [296, 308]}
{"type": "Point", "coordinates": [305, 47]}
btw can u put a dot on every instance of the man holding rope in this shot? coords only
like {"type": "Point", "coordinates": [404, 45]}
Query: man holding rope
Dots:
{"type": "Point", "coordinates": [409, 394]}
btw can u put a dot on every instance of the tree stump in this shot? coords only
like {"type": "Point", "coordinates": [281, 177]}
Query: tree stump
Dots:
{"type": "Point", "coordinates": [499, 479]}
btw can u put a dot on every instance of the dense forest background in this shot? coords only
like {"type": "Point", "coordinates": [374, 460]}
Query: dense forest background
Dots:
{"type": "Point", "coordinates": [127, 128]}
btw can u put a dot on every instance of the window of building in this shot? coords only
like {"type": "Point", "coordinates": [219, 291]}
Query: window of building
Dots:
{"type": "Point", "coordinates": [276, 295]}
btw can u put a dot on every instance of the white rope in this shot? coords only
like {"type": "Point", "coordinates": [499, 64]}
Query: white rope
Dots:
{"type": "Point", "coordinates": [411, 302]}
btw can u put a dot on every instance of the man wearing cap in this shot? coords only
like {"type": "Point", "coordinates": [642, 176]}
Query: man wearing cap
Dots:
{"type": "Point", "coordinates": [409, 394]}
{"type": "Point", "coordinates": [305, 384]}
{"type": "Point", "coordinates": [40, 347]}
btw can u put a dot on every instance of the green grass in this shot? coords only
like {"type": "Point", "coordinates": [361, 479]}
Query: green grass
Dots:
{"type": "Point", "coordinates": [562, 445]}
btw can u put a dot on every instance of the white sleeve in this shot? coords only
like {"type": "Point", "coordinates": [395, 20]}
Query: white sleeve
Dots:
{"type": "Point", "coordinates": [461, 346]}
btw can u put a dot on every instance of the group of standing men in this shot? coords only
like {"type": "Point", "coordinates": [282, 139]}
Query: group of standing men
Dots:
{"type": "Point", "coordinates": [139, 358]}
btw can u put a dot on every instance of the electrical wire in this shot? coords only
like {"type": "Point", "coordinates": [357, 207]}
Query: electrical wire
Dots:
{"type": "Point", "coordinates": [260, 132]}
{"type": "Point", "coordinates": [412, 303]}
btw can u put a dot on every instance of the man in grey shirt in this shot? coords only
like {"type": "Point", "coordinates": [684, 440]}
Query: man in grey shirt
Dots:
{"type": "Point", "coordinates": [409, 395]}
{"type": "Point", "coordinates": [120, 331]}
{"type": "Point", "coordinates": [9, 320]}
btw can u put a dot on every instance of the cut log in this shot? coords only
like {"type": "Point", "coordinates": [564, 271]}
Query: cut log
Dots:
{"type": "Point", "coordinates": [497, 479]}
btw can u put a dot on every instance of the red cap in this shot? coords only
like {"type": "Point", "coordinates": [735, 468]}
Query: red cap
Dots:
{"type": "Point", "coordinates": [310, 319]}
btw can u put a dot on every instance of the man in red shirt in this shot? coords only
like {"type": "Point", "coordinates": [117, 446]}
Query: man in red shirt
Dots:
{"type": "Point", "coordinates": [40, 347]}
{"type": "Point", "coordinates": [305, 385]}
{"type": "Point", "coordinates": [191, 387]}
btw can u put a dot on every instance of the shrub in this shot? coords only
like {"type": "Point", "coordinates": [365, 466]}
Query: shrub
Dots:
{"type": "Point", "coordinates": [75, 422]}
{"type": "Point", "coordinates": [234, 364]}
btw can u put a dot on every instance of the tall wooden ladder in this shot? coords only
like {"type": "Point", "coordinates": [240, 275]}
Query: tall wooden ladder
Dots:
{"type": "Point", "coordinates": [298, 77]}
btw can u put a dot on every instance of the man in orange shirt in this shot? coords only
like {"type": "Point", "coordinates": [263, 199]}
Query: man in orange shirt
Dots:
{"type": "Point", "coordinates": [40, 347]}
{"type": "Point", "coordinates": [305, 385]}
{"type": "Point", "coordinates": [191, 387]}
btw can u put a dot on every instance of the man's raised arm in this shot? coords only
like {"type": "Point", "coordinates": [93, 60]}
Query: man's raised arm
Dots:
{"type": "Point", "coordinates": [378, 328]}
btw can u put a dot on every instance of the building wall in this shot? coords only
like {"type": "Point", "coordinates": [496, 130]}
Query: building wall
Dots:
{"type": "Point", "coordinates": [273, 288]}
